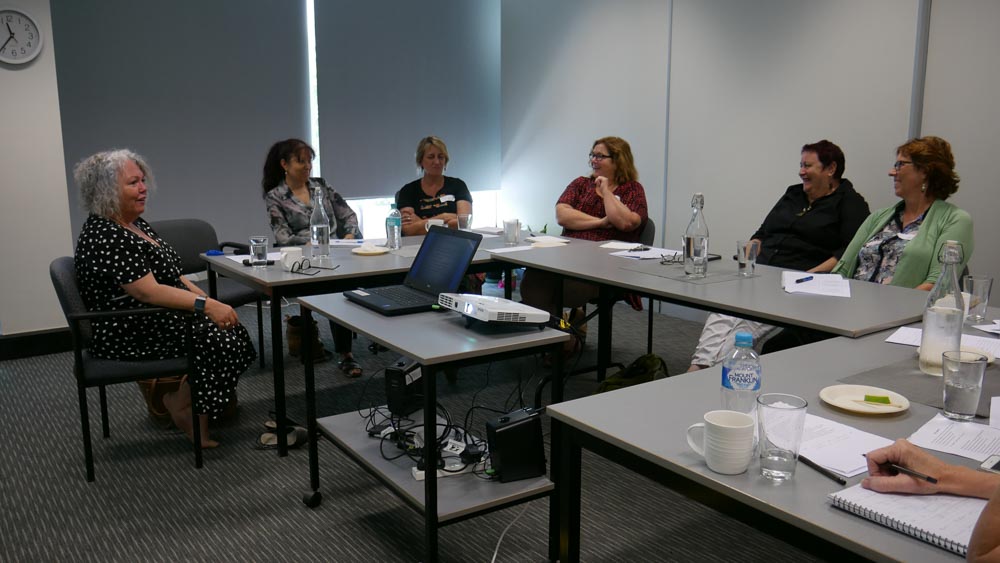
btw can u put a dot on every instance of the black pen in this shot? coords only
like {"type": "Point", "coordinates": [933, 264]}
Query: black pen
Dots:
{"type": "Point", "coordinates": [822, 470]}
{"type": "Point", "coordinates": [803, 280]}
{"type": "Point", "coordinates": [908, 471]}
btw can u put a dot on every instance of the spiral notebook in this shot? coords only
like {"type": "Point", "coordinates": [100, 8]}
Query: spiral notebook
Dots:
{"type": "Point", "coordinates": [942, 520]}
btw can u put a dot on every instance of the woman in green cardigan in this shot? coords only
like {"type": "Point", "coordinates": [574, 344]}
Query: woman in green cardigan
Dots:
{"type": "Point", "coordinates": [899, 245]}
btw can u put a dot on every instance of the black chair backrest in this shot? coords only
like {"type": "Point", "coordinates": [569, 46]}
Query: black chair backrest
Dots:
{"type": "Point", "coordinates": [62, 270]}
{"type": "Point", "coordinates": [189, 237]}
{"type": "Point", "coordinates": [648, 233]}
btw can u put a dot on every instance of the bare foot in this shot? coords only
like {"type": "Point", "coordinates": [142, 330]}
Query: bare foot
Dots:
{"type": "Point", "coordinates": [180, 414]}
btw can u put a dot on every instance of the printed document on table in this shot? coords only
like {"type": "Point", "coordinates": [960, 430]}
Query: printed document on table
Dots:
{"type": "Point", "coordinates": [507, 249]}
{"type": "Point", "coordinates": [546, 238]}
{"type": "Point", "coordinates": [995, 412]}
{"type": "Point", "coordinates": [911, 337]}
{"type": "Point", "coordinates": [820, 284]}
{"type": "Point", "coordinates": [838, 447]}
{"type": "Point", "coordinates": [967, 439]}
{"type": "Point", "coordinates": [619, 245]}
{"type": "Point", "coordinates": [650, 253]}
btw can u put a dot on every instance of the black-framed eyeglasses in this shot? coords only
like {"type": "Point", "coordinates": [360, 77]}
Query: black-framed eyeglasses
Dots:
{"type": "Point", "coordinates": [677, 258]}
{"type": "Point", "coordinates": [899, 164]}
{"type": "Point", "coordinates": [306, 268]}
{"type": "Point", "coordinates": [598, 157]}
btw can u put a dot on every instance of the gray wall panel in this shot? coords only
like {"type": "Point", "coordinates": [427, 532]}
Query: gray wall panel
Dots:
{"type": "Point", "coordinates": [391, 73]}
{"type": "Point", "coordinates": [201, 89]}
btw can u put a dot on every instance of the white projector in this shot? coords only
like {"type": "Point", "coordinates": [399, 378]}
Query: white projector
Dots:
{"type": "Point", "coordinates": [493, 309]}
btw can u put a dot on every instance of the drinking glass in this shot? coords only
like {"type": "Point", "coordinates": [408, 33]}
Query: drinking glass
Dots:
{"type": "Point", "coordinates": [258, 250]}
{"type": "Point", "coordinates": [782, 419]}
{"type": "Point", "coordinates": [963, 383]}
{"type": "Point", "coordinates": [464, 221]}
{"type": "Point", "coordinates": [977, 291]}
{"type": "Point", "coordinates": [746, 256]}
{"type": "Point", "coordinates": [511, 231]}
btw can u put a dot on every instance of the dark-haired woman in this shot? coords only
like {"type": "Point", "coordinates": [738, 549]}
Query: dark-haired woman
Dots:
{"type": "Point", "coordinates": [288, 193]}
{"type": "Point", "coordinates": [899, 245]}
{"type": "Point", "coordinates": [808, 229]}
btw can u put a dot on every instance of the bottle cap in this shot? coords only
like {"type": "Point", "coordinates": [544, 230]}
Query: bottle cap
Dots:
{"type": "Point", "coordinates": [744, 339]}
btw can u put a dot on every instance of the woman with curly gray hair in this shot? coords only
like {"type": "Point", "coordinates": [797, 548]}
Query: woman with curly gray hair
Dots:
{"type": "Point", "coordinates": [121, 263]}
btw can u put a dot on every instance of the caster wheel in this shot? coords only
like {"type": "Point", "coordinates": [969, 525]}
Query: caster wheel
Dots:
{"type": "Point", "coordinates": [312, 499]}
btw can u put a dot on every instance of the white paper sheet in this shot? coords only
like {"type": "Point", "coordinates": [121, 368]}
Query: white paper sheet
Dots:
{"type": "Point", "coordinates": [911, 337]}
{"type": "Point", "coordinates": [838, 447]}
{"type": "Point", "coordinates": [650, 253]}
{"type": "Point", "coordinates": [995, 412]}
{"type": "Point", "coordinates": [618, 245]}
{"type": "Point", "coordinates": [967, 439]}
{"type": "Point", "coordinates": [817, 284]}
{"type": "Point", "coordinates": [347, 242]}
{"type": "Point", "coordinates": [507, 249]}
{"type": "Point", "coordinates": [546, 238]}
{"type": "Point", "coordinates": [992, 329]}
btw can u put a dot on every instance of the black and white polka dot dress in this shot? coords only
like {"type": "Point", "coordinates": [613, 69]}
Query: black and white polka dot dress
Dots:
{"type": "Point", "coordinates": [108, 256]}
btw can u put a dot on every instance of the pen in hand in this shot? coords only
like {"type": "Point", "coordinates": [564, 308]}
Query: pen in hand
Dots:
{"type": "Point", "coordinates": [908, 471]}
{"type": "Point", "coordinates": [803, 280]}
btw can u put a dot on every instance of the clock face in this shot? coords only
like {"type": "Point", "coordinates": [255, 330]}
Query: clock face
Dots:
{"type": "Point", "coordinates": [19, 36]}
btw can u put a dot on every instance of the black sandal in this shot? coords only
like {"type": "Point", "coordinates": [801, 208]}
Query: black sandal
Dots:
{"type": "Point", "coordinates": [351, 367]}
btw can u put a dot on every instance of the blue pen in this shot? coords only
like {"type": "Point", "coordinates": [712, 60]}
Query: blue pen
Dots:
{"type": "Point", "coordinates": [803, 280]}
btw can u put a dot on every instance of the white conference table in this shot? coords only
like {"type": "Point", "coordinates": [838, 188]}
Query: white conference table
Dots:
{"type": "Point", "coordinates": [871, 307]}
{"type": "Point", "coordinates": [352, 271]}
{"type": "Point", "coordinates": [643, 428]}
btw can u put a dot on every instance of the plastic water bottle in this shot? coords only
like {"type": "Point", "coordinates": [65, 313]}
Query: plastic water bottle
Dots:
{"type": "Point", "coordinates": [741, 376]}
{"type": "Point", "coordinates": [695, 240]}
{"type": "Point", "coordinates": [945, 311]}
{"type": "Point", "coordinates": [319, 226]}
{"type": "Point", "coordinates": [394, 228]}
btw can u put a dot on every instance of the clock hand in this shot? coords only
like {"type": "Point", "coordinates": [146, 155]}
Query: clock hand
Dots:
{"type": "Point", "coordinates": [9, 30]}
{"type": "Point", "coordinates": [6, 42]}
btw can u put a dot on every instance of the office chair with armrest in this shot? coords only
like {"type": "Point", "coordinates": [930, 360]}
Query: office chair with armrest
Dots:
{"type": "Point", "coordinates": [191, 237]}
{"type": "Point", "coordinates": [91, 371]}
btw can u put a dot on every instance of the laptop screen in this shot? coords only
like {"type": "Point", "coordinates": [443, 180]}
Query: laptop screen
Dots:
{"type": "Point", "coordinates": [442, 260]}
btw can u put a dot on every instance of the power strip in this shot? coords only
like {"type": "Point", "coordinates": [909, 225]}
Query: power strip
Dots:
{"type": "Point", "coordinates": [450, 470]}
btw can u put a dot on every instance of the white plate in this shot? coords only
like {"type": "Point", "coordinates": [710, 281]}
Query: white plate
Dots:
{"type": "Point", "coordinates": [989, 357]}
{"type": "Point", "coordinates": [547, 244]}
{"type": "Point", "coordinates": [370, 251]}
{"type": "Point", "coordinates": [851, 397]}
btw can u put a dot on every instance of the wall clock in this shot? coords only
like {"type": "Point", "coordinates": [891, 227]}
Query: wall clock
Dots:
{"type": "Point", "coordinates": [20, 37]}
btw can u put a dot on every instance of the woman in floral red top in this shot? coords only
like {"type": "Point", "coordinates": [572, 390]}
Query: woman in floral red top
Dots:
{"type": "Point", "coordinates": [610, 204]}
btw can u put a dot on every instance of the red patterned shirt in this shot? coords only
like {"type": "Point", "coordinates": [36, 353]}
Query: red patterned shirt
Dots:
{"type": "Point", "coordinates": [582, 196]}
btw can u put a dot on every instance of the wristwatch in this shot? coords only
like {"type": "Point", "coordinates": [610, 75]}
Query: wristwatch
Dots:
{"type": "Point", "coordinates": [199, 304]}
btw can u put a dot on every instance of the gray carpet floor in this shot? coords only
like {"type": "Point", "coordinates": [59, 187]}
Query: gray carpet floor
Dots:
{"type": "Point", "coordinates": [150, 504]}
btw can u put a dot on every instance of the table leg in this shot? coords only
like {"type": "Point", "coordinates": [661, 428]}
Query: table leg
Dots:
{"type": "Point", "coordinates": [313, 497]}
{"type": "Point", "coordinates": [605, 301]}
{"type": "Point", "coordinates": [568, 486]}
{"type": "Point", "coordinates": [278, 360]}
{"type": "Point", "coordinates": [508, 282]}
{"type": "Point", "coordinates": [213, 282]}
{"type": "Point", "coordinates": [556, 500]}
{"type": "Point", "coordinates": [430, 463]}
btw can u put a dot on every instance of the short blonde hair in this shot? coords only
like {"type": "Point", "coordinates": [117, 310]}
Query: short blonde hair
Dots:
{"type": "Point", "coordinates": [427, 142]}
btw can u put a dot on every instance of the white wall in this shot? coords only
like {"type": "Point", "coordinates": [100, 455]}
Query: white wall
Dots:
{"type": "Point", "coordinates": [751, 82]}
{"type": "Point", "coordinates": [960, 105]}
{"type": "Point", "coordinates": [573, 71]}
{"type": "Point", "coordinates": [34, 221]}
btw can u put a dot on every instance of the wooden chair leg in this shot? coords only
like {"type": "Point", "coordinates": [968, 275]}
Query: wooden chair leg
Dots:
{"type": "Point", "coordinates": [105, 428]}
{"type": "Point", "coordinates": [88, 452]}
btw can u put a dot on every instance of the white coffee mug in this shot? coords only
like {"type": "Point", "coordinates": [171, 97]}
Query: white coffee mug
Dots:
{"type": "Point", "coordinates": [289, 256]}
{"type": "Point", "coordinates": [432, 222]}
{"type": "Point", "coordinates": [727, 443]}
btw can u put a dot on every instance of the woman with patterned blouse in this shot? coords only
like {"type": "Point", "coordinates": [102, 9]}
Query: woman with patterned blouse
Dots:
{"type": "Point", "coordinates": [608, 204]}
{"type": "Point", "coordinates": [288, 192]}
{"type": "Point", "coordinates": [899, 245]}
{"type": "Point", "coordinates": [121, 263]}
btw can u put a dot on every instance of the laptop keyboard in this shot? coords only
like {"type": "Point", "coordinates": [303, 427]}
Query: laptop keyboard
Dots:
{"type": "Point", "coordinates": [402, 295]}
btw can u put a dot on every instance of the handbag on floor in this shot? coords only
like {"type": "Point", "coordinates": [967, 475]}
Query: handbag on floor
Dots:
{"type": "Point", "coordinates": [646, 368]}
{"type": "Point", "coordinates": [153, 391]}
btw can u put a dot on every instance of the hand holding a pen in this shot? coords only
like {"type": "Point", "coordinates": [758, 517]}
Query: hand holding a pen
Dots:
{"type": "Point", "coordinates": [904, 468]}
